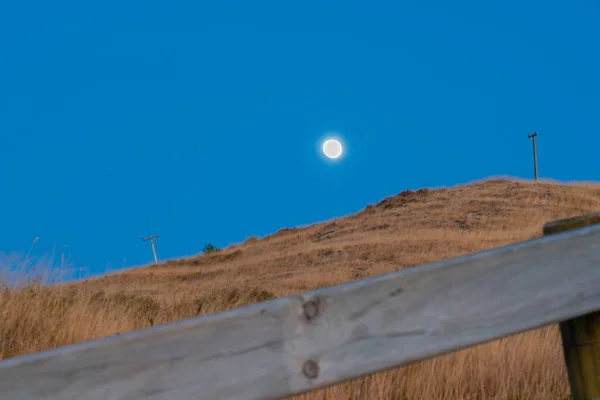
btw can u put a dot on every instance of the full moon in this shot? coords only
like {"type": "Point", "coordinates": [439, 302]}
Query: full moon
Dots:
{"type": "Point", "coordinates": [332, 148]}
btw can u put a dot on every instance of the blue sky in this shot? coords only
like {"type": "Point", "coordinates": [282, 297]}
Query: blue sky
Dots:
{"type": "Point", "coordinates": [201, 121]}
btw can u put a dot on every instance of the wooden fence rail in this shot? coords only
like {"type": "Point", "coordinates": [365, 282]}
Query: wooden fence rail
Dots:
{"type": "Point", "coordinates": [307, 341]}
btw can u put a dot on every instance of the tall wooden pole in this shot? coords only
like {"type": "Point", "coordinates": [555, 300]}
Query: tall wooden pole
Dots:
{"type": "Point", "coordinates": [581, 335]}
{"type": "Point", "coordinates": [151, 239]}
{"type": "Point", "coordinates": [535, 172]}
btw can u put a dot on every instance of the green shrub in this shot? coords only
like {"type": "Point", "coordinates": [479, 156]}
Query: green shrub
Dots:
{"type": "Point", "coordinates": [209, 248]}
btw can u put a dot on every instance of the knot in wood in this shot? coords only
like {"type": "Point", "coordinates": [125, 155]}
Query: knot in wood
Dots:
{"type": "Point", "coordinates": [310, 369]}
{"type": "Point", "coordinates": [311, 309]}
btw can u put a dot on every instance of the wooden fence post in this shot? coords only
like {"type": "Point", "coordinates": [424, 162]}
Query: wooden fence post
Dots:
{"type": "Point", "coordinates": [581, 335]}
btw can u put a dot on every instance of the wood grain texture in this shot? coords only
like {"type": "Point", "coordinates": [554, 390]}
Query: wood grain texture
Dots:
{"type": "Point", "coordinates": [298, 343]}
{"type": "Point", "coordinates": [581, 335]}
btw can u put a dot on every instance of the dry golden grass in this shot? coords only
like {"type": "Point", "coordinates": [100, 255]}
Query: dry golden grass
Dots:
{"type": "Point", "coordinates": [399, 232]}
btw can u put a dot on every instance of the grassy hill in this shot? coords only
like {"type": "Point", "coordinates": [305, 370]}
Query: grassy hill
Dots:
{"type": "Point", "coordinates": [408, 229]}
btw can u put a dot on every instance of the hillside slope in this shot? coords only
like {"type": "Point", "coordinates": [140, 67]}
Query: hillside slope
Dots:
{"type": "Point", "coordinates": [401, 231]}
{"type": "Point", "coordinates": [408, 229]}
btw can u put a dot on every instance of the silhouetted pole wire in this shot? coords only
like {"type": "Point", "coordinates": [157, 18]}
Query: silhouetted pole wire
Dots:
{"type": "Point", "coordinates": [151, 239]}
{"type": "Point", "coordinates": [535, 172]}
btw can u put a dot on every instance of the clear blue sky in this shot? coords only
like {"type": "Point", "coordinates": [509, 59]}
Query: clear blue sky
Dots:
{"type": "Point", "coordinates": [200, 121]}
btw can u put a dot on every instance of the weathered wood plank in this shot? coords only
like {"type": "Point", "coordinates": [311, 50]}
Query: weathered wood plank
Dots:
{"type": "Point", "coordinates": [302, 342]}
{"type": "Point", "coordinates": [581, 335]}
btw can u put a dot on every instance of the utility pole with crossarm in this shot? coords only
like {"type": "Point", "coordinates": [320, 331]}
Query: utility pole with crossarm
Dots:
{"type": "Point", "coordinates": [535, 171]}
{"type": "Point", "coordinates": [151, 239]}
